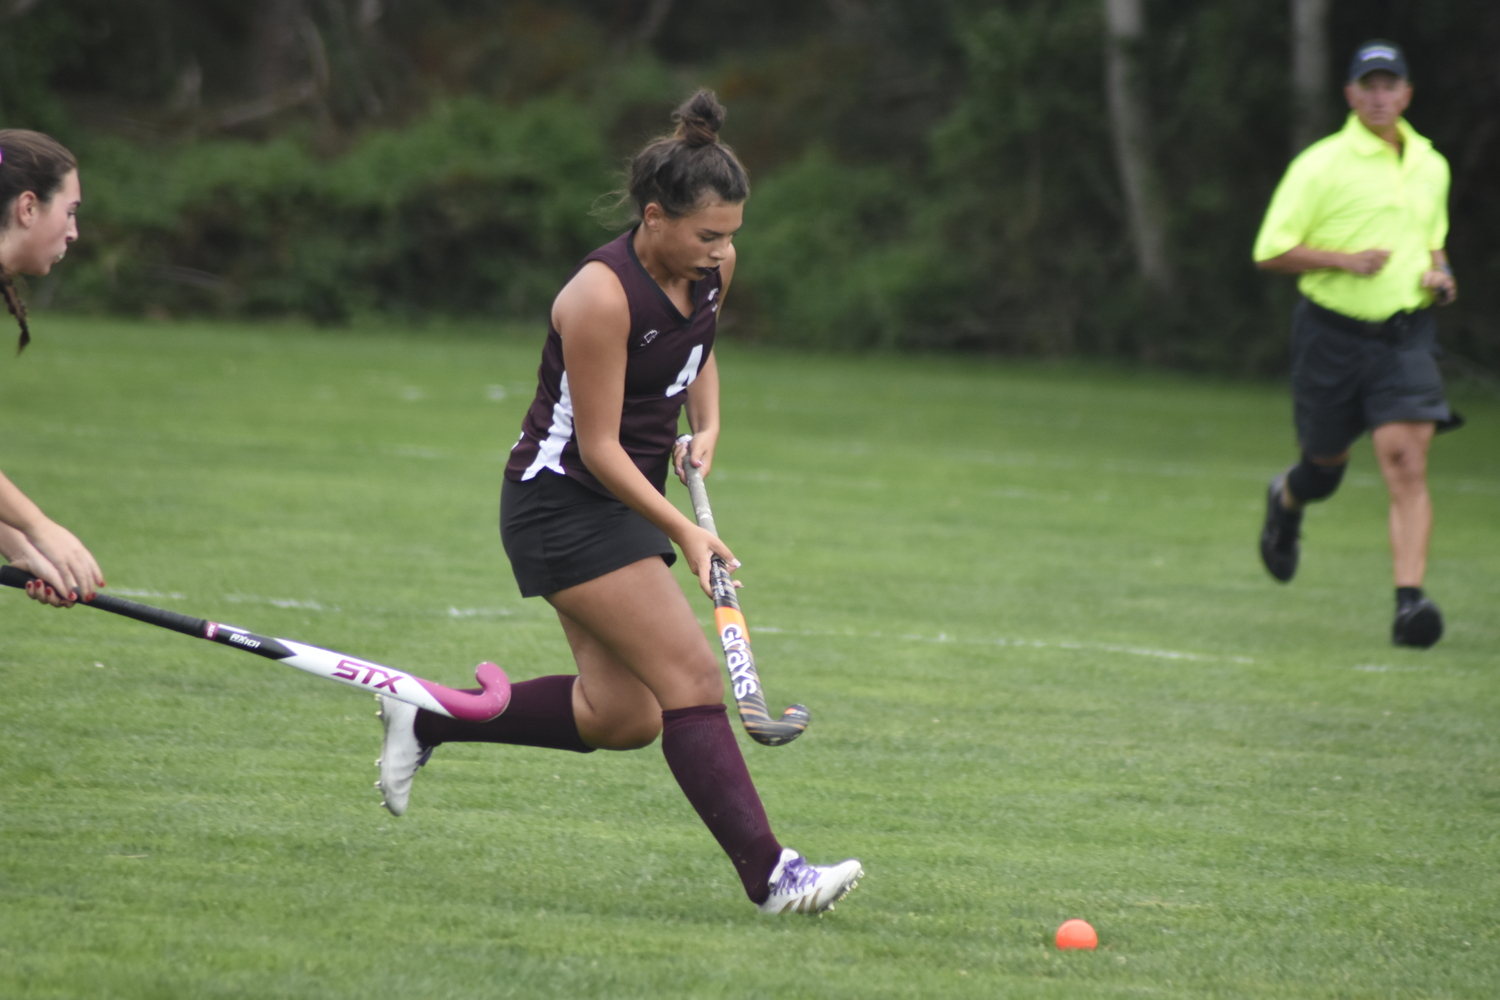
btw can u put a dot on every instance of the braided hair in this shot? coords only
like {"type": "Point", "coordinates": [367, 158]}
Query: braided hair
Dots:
{"type": "Point", "coordinates": [676, 170]}
{"type": "Point", "coordinates": [29, 161]}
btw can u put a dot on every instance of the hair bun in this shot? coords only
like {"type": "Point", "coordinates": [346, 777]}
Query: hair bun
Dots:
{"type": "Point", "coordinates": [699, 119]}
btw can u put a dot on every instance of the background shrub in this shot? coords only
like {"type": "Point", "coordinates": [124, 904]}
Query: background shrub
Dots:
{"type": "Point", "coordinates": [475, 208]}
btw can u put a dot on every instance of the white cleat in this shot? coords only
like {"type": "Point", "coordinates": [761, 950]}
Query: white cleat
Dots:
{"type": "Point", "coordinates": [401, 755]}
{"type": "Point", "coordinates": [799, 887]}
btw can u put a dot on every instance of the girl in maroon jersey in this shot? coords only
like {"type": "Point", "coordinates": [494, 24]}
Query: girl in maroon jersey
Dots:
{"type": "Point", "coordinates": [39, 197]}
{"type": "Point", "coordinates": [587, 526]}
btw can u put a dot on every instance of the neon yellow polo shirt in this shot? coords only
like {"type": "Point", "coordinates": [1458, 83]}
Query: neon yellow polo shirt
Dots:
{"type": "Point", "coordinates": [1352, 192]}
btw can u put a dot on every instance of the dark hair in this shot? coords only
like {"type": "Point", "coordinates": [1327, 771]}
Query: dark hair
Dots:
{"type": "Point", "coordinates": [675, 170]}
{"type": "Point", "coordinates": [29, 161]}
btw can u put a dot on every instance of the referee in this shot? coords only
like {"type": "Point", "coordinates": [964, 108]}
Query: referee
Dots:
{"type": "Point", "coordinates": [1361, 218]}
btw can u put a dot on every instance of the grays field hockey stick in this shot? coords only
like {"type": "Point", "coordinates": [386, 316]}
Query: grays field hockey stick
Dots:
{"type": "Point", "coordinates": [471, 706]}
{"type": "Point", "coordinates": [734, 636]}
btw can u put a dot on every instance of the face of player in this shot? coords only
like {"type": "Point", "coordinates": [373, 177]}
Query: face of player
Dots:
{"type": "Point", "coordinates": [687, 246]}
{"type": "Point", "coordinates": [39, 232]}
{"type": "Point", "coordinates": [1378, 99]}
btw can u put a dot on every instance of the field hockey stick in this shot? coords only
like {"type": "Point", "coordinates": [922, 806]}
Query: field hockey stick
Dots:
{"type": "Point", "coordinates": [471, 706]}
{"type": "Point", "coordinates": [734, 635]}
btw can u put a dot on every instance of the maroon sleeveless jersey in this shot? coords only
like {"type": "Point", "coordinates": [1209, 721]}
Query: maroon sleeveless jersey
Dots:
{"type": "Point", "coordinates": [666, 351]}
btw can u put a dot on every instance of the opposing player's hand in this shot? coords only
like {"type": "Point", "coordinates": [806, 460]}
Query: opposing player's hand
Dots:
{"type": "Point", "coordinates": [63, 563]}
{"type": "Point", "coordinates": [1366, 261]}
{"type": "Point", "coordinates": [698, 548]}
{"type": "Point", "coordinates": [33, 562]}
{"type": "Point", "coordinates": [1444, 288]}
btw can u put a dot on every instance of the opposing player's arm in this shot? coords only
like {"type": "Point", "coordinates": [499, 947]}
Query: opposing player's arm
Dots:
{"type": "Point", "coordinates": [41, 546]}
{"type": "Point", "coordinates": [592, 316]}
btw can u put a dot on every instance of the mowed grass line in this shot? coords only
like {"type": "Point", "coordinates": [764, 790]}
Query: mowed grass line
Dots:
{"type": "Point", "coordinates": [1048, 678]}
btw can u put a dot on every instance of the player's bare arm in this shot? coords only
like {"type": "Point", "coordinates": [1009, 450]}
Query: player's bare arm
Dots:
{"type": "Point", "coordinates": [41, 546]}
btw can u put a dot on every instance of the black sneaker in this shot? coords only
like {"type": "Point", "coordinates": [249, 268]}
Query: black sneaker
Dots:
{"type": "Point", "coordinates": [1278, 539]}
{"type": "Point", "coordinates": [1419, 624]}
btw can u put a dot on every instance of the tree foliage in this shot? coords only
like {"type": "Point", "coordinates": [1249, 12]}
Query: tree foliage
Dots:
{"type": "Point", "coordinates": [928, 175]}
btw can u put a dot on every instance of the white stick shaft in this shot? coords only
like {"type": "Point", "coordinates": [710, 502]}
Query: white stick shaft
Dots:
{"type": "Point", "coordinates": [362, 674]}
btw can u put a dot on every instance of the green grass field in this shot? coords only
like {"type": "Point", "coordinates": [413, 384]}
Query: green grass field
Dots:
{"type": "Point", "coordinates": [1048, 675]}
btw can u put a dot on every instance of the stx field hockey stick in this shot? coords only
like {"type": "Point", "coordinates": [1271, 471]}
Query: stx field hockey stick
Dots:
{"type": "Point", "coordinates": [734, 636]}
{"type": "Point", "coordinates": [471, 706]}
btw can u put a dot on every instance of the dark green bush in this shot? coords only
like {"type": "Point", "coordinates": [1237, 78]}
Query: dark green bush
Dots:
{"type": "Point", "coordinates": [829, 258]}
{"type": "Point", "coordinates": [475, 209]}
{"type": "Point", "coordinates": [926, 176]}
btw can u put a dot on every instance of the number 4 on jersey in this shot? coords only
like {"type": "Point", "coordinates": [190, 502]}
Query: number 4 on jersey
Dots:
{"type": "Point", "coordinates": [688, 373]}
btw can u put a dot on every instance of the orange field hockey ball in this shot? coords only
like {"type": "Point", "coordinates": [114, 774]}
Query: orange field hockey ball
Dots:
{"type": "Point", "coordinates": [1077, 934]}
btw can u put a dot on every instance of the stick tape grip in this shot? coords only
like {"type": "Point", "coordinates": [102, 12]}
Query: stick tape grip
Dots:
{"type": "Point", "coordinates": [10, 576]}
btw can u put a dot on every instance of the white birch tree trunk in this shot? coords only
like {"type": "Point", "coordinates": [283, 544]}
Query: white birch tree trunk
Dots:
{"type": "Point", "coordinates": [1129, 120]}
{"type": "Point", "coordinates": [1310, 72]}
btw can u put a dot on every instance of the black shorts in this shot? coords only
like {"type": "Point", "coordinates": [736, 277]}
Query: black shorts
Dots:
{"type": "Point", "coordinates": [559, 533]}
{"type": "Point", "coordinates": [1346, 382]}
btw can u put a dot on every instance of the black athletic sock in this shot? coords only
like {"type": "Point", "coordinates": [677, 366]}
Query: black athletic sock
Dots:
{"type": "Point", "coordinates": [540, 714]}
{"type": "Point", "coordinates": [705, 759]}
{"type": "Point", "coordinates": [1407, 596]}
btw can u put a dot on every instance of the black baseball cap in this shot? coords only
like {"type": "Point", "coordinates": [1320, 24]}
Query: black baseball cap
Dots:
{"type": "Point", "coordinates": [1377, 54]}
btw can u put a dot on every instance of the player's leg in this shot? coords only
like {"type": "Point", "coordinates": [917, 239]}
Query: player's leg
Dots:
{"type": "Point", "coordinates": [1404, 407]}
{"type": "Point", "coordinates": [645, 667]}
{"type": "Point", "coordinates": [552, 712]}
{"type": "Point", "coordinates": [1314, 478]}
{"type": "Point", "coordinates": [1401, 449]}
{"type": "Point", "coordinates": [540, 714]}
{"type": "Point", "coordinates": [638, 619]}
{"type": "Point", "coordinates": [612, 708]}
{"type": "Point", "coordinates": [1326, 363]}
{"type": "Point", "coordinates": [605, 706]}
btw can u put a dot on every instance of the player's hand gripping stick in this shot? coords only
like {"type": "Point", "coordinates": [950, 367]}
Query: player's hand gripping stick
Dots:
{"type": "Point", "coordinates": [735, 637]}
{"type": "Point", "coordinates": [471, 706]}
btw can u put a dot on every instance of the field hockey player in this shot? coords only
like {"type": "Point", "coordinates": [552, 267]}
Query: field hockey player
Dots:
{"type": "Point", "coordinates": [39, 198]}
{"type": "Point", "coordinates": [586, 523]}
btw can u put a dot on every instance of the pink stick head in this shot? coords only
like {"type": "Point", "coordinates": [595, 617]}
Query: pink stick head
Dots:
{"type": "Point", "coordinates": [474, 706]}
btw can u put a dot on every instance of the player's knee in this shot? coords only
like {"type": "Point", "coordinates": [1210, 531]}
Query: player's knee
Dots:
{"type": "Point", "coordinates": [1407, 461]}
{"type": "Point", "coordinates": [630, 734]}
{"type": "Point", "coordinates": [1309, 481]}
{"type": "Point", "coordinates": [705, 686]}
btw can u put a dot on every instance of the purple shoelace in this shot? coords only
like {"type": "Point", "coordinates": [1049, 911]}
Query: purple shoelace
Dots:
{"type": "Point", "coordinates": [796, 876]}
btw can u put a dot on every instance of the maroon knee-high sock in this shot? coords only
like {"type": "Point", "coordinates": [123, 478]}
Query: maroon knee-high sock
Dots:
{"type": "Point", "coordinates": [540, 714]}
{"type": "Point", "coordinates": [700, 748]}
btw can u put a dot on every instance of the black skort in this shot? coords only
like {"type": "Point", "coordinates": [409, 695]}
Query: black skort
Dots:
{"type": "Point", "coordinates": [559, 533]}
{"type": "Point", "coordinates": [1347, 380]}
